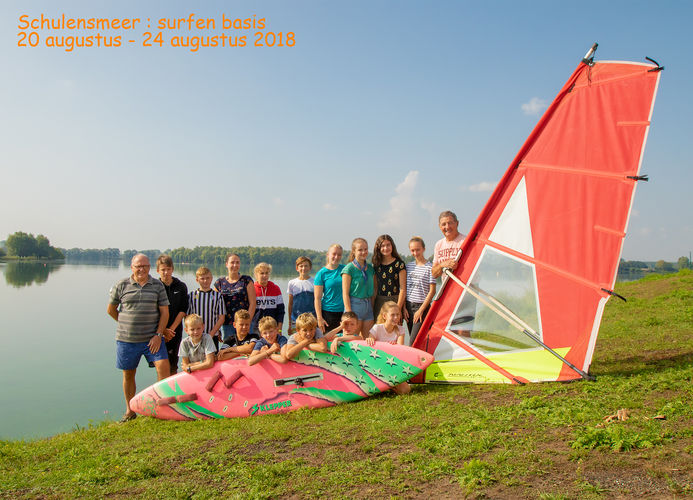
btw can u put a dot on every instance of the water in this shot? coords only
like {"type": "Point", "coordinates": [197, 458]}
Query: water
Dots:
{"type": "Point", "coordinates": [58, 357]}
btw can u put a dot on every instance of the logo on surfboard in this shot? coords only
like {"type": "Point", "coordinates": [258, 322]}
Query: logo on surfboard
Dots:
{"type": "Point", "coordinates": [256, 408]}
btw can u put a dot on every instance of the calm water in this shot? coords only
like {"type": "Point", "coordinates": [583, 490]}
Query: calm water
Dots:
{"type": "Point", "coordinates": [58, 358]}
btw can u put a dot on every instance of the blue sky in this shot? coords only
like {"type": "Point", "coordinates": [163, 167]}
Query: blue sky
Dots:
{"type": "Point", "coordinates": [381, 116]}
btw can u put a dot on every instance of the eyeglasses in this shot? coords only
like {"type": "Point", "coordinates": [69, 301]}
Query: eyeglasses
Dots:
{"type": "Point", "coordinates": [143, 266]}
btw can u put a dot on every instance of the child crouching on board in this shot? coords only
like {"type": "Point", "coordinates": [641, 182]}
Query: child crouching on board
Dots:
{"type": "Point", "coordinates": [197, 351]}
{"type": "Point", "coordinates": [307, 336]}
{"type": "Point", "coordinates": [270, 343]}
{"type": "Point", "coordinates": [389, 330]}
{"type": "Point", "coordinates": [349, 327]}
{"type": "Point", "coordinates": [241, 341]}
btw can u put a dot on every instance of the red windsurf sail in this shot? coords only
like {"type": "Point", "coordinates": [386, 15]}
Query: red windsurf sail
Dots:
{"type": "Point", "coordinates": [540, 262]}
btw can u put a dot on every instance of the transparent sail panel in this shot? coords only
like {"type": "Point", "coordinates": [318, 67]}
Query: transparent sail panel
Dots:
{"type": "Point", "coordinates": [511, 282]}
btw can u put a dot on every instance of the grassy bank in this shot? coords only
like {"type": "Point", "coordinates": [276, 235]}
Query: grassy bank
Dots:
{"type": "Point", "coordinates": [544, 441]}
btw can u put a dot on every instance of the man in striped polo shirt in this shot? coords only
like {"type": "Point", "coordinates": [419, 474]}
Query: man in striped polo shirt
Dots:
{"type": "Point", "coordinates": [140, 306]}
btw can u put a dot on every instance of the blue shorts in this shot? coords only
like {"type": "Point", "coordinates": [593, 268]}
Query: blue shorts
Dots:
{"type": "Point", "coordinates": [362, 308]}
{"type": "Point", "coordinates": [128, 354]}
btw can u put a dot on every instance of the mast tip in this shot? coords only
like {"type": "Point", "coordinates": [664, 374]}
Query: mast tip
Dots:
{"type": "Point", "coordinates": [589, 57]}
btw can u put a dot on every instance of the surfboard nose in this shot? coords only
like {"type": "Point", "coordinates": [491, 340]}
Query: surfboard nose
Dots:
{"type": "Point", "coordinates": [144, 403]}
{"type": "Point", "coordinates": [425, 359]}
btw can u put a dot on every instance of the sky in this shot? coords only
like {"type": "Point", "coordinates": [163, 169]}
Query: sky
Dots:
{"type": "Point", "coordinates": [381, 115]}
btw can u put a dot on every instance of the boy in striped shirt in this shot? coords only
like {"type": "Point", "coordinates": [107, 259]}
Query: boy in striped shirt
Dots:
{"type": "Point", "coordinates": [207, 303]}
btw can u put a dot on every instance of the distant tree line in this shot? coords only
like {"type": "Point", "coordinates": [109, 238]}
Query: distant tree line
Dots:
{"type": "Point", "coordinates": [127, 255]}
{"type": "Point", "coordinates": [91, 254]}
{"type": "Point", "coordinates": [207, 255]}
{"type": "Point", "coordinates": [634, 265]}
{"type": "Point", "coordinates": [26, 245]}
{"type": "Point", "coordinates": [660, 266]}
{"type": "Point", "coordinates": [216, 256]}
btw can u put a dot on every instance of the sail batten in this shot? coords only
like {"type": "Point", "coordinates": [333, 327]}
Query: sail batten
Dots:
{"type": "Point", "coordinates": [548, 241]}
{"type": "Point", "coordinates": [546, 266]}
{"type": "Point", "coordinates": [562, 169]}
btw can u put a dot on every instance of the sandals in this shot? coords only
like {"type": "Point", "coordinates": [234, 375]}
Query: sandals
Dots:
{"type": "Point", "coordinates": [127, 418]}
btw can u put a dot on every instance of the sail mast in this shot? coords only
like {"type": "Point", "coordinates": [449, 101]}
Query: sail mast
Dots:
{"type": "Point", "coordinates": [552, 231]}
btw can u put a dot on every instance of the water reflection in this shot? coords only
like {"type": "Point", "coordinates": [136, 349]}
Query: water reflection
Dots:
{"type": "Point", "coordinates": [69, 306]}
{"type": "Point", "coordinates": [21, 274]}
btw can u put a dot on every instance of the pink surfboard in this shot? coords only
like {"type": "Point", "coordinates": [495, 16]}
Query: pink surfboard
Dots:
{"type": "Point", "coordinates": [231, 388]}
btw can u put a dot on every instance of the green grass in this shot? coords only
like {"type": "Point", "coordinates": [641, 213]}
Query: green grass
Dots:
{"type": "Point", "coordinates": [543, 441]}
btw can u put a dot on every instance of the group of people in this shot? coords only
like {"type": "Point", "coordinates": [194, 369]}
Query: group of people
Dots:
{"type": "Point", "coordinates": [238, 316]}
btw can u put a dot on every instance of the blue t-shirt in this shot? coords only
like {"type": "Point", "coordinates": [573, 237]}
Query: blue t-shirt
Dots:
{"type": "Point", "coordinates": [331, 281]}
{"type": "Point", "coordinates": [303, 298]}
{"type": "Point", "coordinates": [281, 340]}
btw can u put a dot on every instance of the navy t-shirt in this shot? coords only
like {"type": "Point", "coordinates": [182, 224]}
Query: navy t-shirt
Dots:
{"type": "Point", "coordinates": [232, 340]}
{"type": "Point", "coordinates": [281, 340]}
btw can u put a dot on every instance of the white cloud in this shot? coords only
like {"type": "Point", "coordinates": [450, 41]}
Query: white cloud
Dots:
{"type": "Point", "coordinates": [645, 231]}
{"type": "Point", "coordinates": [402, 204]}
{"type": "Point", "coordinates": [328, 207]}
{"type": "Point", "coordinates": [534, 106]}
{"type": "Point", "coordinates": [482, 187]}
{"type": "Point", "coordinates": [635, 213]}
{"type": "Point", "coordinates": [278, 201]}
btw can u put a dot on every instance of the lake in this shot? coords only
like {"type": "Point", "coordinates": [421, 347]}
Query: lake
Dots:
{"type": "Point", "coordinates": [58, 368]}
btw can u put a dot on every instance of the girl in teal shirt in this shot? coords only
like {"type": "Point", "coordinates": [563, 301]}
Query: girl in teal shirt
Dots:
{"type": "Point", "coordinates": [358, 285]}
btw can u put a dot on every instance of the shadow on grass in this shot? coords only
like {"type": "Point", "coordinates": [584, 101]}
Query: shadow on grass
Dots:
{"type": "Point", "coordinates": [645, 363]}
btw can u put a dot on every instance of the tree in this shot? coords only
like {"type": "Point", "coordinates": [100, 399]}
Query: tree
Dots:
{"type": "Point", "coordinates": [43, 246]}
{"type": "Point", "coordinates": [127, 255]}
{"type": "Point", "coordinates": [683, 263]}
{"type": "Point", "coordinates": [21, 244]}
{"type": "Point", "coordinates": [663, 267]}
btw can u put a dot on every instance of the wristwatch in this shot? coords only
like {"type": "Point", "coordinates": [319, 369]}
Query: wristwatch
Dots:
{"type": "Point", "coordinates": [160, 335]}
{"type": "Point", "coordinates": [189, 370]}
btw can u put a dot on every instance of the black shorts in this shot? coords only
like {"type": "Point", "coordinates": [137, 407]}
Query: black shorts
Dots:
{"type": "Point", "coordinates": [172, 347]}
{"type": "Point", "coordinates": [333, 319]}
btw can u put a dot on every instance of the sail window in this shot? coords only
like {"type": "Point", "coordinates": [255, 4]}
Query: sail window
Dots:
{"type": "Point", "coordinates": [507, 283]}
